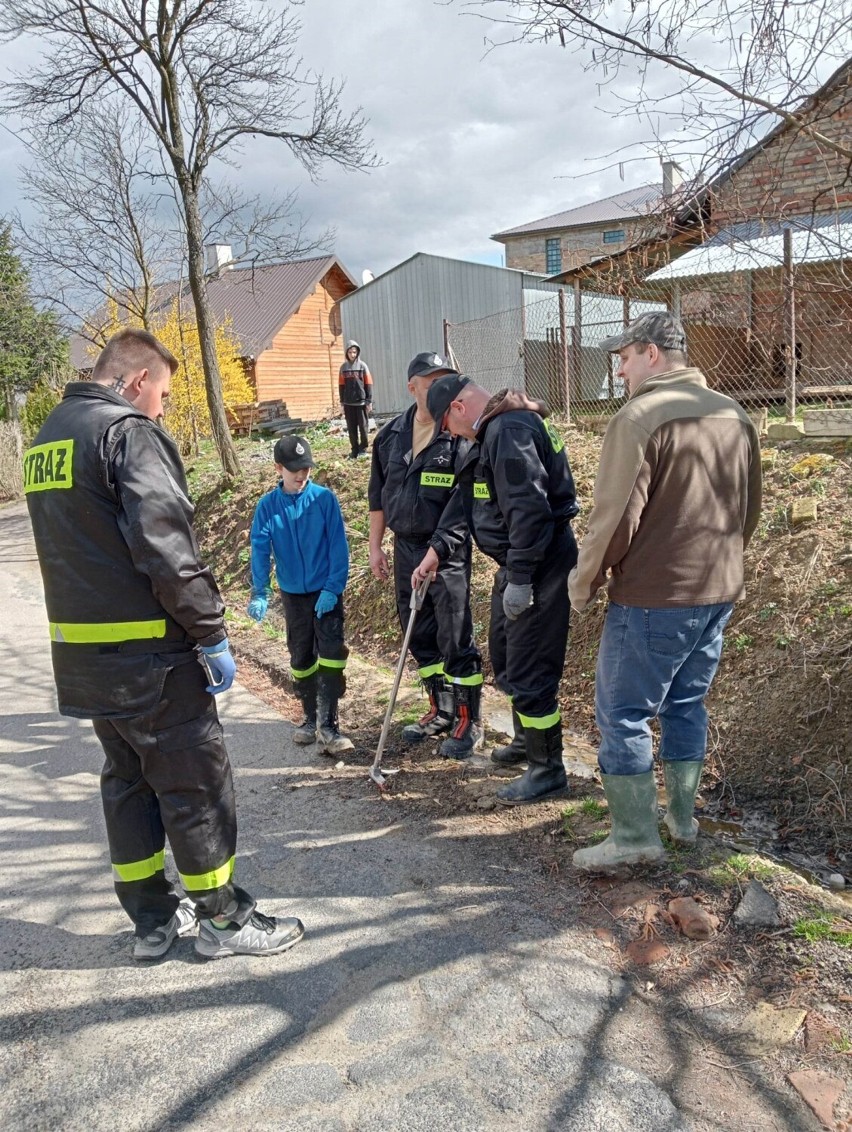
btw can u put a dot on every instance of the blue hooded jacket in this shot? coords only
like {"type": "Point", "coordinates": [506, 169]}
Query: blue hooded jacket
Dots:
{"type": "Point", "coordinates": [304, 531]}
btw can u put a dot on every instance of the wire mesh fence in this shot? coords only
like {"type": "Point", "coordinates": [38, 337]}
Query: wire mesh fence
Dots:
{"type": "Point", "coordinates": [775, 340]}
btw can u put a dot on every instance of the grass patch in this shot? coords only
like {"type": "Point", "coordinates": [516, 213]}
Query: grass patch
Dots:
{"type": "Point", "coordinates": [822, 925]}
{"type": "Point", "coordinates": [740, 867]}
{"type": "Point", "coordinates": [592, 808]}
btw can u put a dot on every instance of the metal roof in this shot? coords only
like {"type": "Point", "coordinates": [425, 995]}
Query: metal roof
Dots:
{"type": "Point", "coordinates": [620, 206]}
{"type": "Point", "coordinates": [257, 300]}
{"type": "Point", "coordinates": [722, 255]}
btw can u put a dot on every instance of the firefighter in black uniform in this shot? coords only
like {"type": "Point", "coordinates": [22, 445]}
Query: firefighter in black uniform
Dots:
{"type": "Point", "coordinates": [518, 494]}
{"type": "Point", "coordinates": [132, 614]}
{"type": "Point", "coordinates": [411, 488]}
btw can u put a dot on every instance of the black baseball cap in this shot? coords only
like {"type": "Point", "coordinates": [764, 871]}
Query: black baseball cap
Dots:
{"type": "Point", "coordinates": [424, 365]}
{"type": "Point", "coordinates": [293, 453]}
{"type": "Point", "coordinates": [443, 392]}
{"type": "Point", "coordinates": [661, 328]}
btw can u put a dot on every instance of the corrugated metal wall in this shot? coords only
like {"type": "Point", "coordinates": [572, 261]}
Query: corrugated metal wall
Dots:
{"type": "Point", "coordinates": [401, 313]}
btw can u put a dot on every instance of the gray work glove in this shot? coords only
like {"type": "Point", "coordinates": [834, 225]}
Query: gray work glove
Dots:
{"type": "Point", "coordinates": [516, 599]}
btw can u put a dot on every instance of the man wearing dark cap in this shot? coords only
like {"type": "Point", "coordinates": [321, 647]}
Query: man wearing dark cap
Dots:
{"type": "Point", "coordinates": [301, 525]}
{"type": "Point", "coordinates": [677, 498]}
{"type": "Point", "coordinates": [518, 495]}
{"type": "Point", "coordinates": [411, 491]}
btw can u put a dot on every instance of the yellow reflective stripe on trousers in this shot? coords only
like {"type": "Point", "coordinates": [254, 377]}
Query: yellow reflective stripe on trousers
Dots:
{"type": "Point", "coordinates": [304, 673]}
{"type": "Point", "coordinates": [140, 870]}
{"type": "Point", "coordinates": [431, 670]}
{"type": "Point", "coordinates": [469, 681]}
{"type": "Point", "coordinates": [107, 632]}
{"type": "Point", "coordinates": [323, 663]}
{"type": "Point", "coordinates": [540, 722]}
{"type": "Point", "coordinates": [201, 882]}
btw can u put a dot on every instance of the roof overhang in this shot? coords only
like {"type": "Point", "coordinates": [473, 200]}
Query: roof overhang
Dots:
{"type": "Point", "coordinates": [728, 254]}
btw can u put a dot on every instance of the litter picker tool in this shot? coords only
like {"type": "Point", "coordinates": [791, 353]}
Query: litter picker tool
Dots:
{"type": "Point", "coordinates": [415, 605]}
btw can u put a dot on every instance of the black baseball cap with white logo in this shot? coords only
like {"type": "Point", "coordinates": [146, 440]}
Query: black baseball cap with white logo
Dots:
{"type": "Point", "coordinates": [293, 453]}
{"type": "Point", "coordinates": [424, 365]}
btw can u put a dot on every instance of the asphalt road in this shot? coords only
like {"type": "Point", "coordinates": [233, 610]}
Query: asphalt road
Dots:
{"type": "Point", "coordinates": [426, 995]}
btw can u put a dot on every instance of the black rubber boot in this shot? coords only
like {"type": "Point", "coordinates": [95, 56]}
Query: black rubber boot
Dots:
{"type": "Point", "coordinates": [306, 690]}
{"type": "Point", "coordinates": [329, 740]}
{"type": "Point", "coordinates": [466, 734]}
{"type": "Point", "coordinates": [514, 752]}
{"type": "Point", "coordinates": [439, 718]}
{"type": "Point", "coordinates": [545, 776]}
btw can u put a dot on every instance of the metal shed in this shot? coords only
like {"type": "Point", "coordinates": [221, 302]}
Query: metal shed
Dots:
{"type": "Point", "coordinates": [402, 312]}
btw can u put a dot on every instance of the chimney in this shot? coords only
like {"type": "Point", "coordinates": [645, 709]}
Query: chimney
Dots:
{"type": "Point", "coordinates": [672, 178]}
{"type": "Point", "coordinates": [218, 258]}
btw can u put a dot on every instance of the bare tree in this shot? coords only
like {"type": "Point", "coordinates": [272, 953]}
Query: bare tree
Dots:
{"type": "Point", "coordinates": [203, 75]}
{"type": "Point", "coordinates": [108, 227]}
{"type": "Point", "coordinates": [740, 67]}
{"type": "Point", "coordinates": [103, 231]}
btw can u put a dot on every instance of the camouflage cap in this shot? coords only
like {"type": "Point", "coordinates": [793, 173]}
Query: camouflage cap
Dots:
{"type": "Point", "coordinates": [661, 328]}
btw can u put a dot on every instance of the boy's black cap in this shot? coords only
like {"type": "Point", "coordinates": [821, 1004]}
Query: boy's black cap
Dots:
{"type": "Point", "coordinates": [424, 365]}
{"type": "Point", "coordinates": [443, 392]}
{"type": "Point", "coordinates": [293, 453]}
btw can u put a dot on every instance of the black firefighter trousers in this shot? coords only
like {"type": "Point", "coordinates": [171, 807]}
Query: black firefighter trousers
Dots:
{"type": "Point", "coordinates": [442, 640]}
{"type": "Point", "coordinates": [528, 654]}
{"type": "Point", "coordinates": [167, 775]}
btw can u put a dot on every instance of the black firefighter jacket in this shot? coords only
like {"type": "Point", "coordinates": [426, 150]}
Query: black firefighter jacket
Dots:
{"type": "Point", "coordinates": [124, 587]}
{"type": "Point", "coordinates": [516, 487]}
{"type": "Point", "coordinates": [415, 495]}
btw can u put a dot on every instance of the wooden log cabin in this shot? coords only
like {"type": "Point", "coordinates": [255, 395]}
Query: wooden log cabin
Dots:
{"type": "Point", "coordinates": [287, 321]}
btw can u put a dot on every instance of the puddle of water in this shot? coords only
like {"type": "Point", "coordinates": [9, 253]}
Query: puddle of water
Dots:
{"type": "Point", "coordinates": [756, 835]}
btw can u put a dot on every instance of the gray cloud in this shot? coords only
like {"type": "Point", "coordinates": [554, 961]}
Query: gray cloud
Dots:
{"type": "Point", "coordinates": [472, 140]}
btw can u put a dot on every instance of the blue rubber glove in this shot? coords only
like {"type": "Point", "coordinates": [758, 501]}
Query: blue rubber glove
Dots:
{"type": "Point", "coordinates": [221, 665]}
{"type": "Point", "coordinates": [257, 608]}
{"type": "Point", "coordinates": [325, 602]}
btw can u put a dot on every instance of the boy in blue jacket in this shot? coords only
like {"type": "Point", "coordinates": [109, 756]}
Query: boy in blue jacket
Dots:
{"type": "Point", "coordinates": [301, 525]}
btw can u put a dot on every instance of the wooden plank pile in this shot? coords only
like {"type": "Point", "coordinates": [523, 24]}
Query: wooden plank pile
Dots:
{"type": "Point", "coordinates": [255, 416]}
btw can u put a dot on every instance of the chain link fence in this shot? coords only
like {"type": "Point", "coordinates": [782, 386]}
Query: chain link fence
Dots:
{"type": "Point", "coordinates": [775, 340]}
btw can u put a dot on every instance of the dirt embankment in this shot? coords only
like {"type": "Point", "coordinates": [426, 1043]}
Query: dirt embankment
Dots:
{"type": "Point", "coordinates": [781, 706]}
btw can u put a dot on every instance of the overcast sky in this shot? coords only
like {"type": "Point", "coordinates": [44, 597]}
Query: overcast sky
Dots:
{"type": "Point", "coordinates": [473, 141]}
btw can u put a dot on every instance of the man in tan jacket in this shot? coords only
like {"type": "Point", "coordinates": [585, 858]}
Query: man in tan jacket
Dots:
{"type": "Point", "coordinates": [676, 500]}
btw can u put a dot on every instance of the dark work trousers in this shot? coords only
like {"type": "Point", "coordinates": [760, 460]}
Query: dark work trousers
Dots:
{"type": "Point", "coordinates": [315, 643]}
{"type": "Point", "coordinates": [528, 654]}
{"type": "Point", "coordinates": [167, 775]}
{"type": "Point", "coordinates": [356, 424]}
{"type": "Point", "coordinates": [443, 628]}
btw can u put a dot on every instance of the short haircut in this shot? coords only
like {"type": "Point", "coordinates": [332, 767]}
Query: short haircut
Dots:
{"type": "Point", "coordinates": [130, 350]}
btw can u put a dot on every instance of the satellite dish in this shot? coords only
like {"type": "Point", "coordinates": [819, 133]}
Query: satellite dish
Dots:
{"type": "Point", "coordinates": [367, 276]}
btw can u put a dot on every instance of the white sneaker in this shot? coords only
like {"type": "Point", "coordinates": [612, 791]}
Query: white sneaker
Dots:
{"type": "Point", "coordinates": [157, 943]}
{"type": "Point", "coordinates": [262, 935]}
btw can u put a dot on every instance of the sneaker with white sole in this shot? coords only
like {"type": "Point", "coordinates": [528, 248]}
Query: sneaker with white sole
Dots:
{"type": "Point", "coordinates": [157, 943]}
{"type": "Point", "coordinates": [262, 935]}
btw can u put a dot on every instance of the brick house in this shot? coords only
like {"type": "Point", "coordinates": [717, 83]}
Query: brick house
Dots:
{"type": "Point", "coordinates": [286, 318]}
{"type": "Point", "coordinates": [721, 266]}
{"type": "Point", "coordinates": [572, 238]}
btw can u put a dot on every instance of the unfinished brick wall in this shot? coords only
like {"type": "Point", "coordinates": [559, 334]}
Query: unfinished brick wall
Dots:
{"type": "Point", "coordinates": [579, 245]}
{"type": "Point", "coordinates": [794, 175]}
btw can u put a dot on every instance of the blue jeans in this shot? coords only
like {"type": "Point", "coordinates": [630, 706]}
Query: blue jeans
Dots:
{"type": "Point", "coordinates": [655, 662]}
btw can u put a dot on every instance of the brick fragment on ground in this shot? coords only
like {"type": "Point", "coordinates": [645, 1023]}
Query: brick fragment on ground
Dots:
{"type": "Point", "coordinates": [819, 1091]}
{"type": "Point", "coordinates": [646, 952]}
{"type": "Point", "coordinates": [694, 921]}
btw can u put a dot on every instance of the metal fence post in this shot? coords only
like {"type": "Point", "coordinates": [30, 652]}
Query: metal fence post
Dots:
{"type": "Point", "coordinates": [563, 340]}
{"type": "Point", "coordinates": [789, 325]}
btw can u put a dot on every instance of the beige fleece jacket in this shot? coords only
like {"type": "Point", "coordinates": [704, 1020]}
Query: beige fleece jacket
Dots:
{"type": "Point", "coordinates": [677, 498]}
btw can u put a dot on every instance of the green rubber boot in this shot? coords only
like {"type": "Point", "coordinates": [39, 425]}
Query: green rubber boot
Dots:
{"type": "Point", "coordinates": [681, 780]}
{"type": "Point", "coordinates": [634, 838]}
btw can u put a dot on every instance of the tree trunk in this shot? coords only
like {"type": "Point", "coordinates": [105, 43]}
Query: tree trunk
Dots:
{"type": "Point", "coordinates": [206, 334]}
